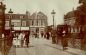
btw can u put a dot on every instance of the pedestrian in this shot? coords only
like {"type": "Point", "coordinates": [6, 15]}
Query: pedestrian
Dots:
{"type": "Point", "coordinates": [57, 37]}
{"type": "Point", "coordinates": [53, 35]}
{"type": "Point", "coordinates": [82, 37]}
{"type": "Point", "coordinates": [21, 39]}
{"type": "Point", "coordinates": [64, 40]}
{"type": "Point", "coordinates": [27, 34]}
{"type": "Point", "coordinates": [10, 39]}
{"type": "Point", "coordinates": [48, 35]}
{"type": "Point", "coordinates": [35, 35]}
{"type": "Point", "coordinates": [45, 35]}
{"type": "Point", "coordinates": [17, 42]}
{"type": "Point", "coordinates": [42, 34]}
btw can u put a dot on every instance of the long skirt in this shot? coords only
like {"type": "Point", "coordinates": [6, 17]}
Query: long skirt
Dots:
{"type": "Point", "coordinates": [64, 42]}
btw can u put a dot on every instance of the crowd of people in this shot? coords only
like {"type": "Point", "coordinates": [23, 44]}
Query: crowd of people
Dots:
{"type": "Point", "coordinates": [17, 39]}
{"type": "Point", "coordinates": [21, 39]}
{"type": "Point", "coordinates": [60, 34]}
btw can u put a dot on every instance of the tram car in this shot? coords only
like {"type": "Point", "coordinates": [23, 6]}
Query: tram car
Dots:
{"type": "Point", "coordinates": [61, 28]}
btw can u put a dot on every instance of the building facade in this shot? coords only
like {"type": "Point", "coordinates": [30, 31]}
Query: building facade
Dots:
{"type": "Point", "coordinates": [76, 20]}
{"type": "Point", "coordinates": [70, 20]}
{"type": "Point", "coordinates": [38, 22]}
{"type": "Point", "coordinates": [35, 22]}
{"type": "Point", "coordinates": [17, 22]}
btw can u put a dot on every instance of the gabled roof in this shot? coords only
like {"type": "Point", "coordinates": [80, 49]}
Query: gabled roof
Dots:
{"type": "Point", "coordinates": [41, 15]}
{"type": "Point", "coordinates": [33, 16]}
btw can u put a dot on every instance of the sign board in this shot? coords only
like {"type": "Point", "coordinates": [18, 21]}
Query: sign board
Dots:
{"type": "Point", "coordinates": [21, 28]}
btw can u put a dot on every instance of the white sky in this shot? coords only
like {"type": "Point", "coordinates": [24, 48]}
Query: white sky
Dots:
{"type": "Point", "coordinates": [46, 6]}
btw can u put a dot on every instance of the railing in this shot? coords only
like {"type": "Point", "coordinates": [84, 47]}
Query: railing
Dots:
{"type": "Point", "coordinates": [74, 41]}
{"type": "Point", "coordinates": [77, 42]}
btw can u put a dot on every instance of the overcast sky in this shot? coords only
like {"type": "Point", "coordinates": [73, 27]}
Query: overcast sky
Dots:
{"type": "Point", "coordinates": [61, 7]}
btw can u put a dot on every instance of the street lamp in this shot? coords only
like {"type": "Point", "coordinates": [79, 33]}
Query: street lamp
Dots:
{"type": "Point", "coordinates": [53, 28]}
{"type": "Point", "coordinates": [10, 12]}
{"type": "Point", "coordinates": [53, 15]}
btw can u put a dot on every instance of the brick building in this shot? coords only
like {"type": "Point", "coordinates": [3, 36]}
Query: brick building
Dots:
{"type": "Point", "coordinates": [71, 20]}
{"type": "Point", "coordinates": [16, 21]}
{"type": "Point", "coordinates": [34, 22]}
{"type": "Point", "coordinates": [76, 20]}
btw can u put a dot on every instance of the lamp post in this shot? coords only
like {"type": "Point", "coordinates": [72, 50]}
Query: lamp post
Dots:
{"type": "Point", "coordinates": [53, 15]}
{"type": "Point", "coordinates": [53, 28]}
{"type": "Point", "coordinates": [10, 12]}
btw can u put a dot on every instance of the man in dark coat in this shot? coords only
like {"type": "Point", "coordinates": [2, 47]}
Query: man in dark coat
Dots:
{"type": "Point", "coordinates": [42, 34]}
{"type": "Point", "coordinates": [27, 34]}
{"type": "Point", "coordinates": [53, 35]}
{"type": "Point", "coordinates": [64, 39]}
{"type": "Point", "coordinates": [48, 35]}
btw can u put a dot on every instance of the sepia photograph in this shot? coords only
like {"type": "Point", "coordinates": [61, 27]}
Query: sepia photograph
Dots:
{"type": "Point", "coordinates": [42, 27]}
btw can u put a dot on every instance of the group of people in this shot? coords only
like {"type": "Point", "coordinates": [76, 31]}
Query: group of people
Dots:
{"type": "Point", "coordinates": [60, 34]}
{"type": "Point", "coordinates": [41, 34]}
{"type": "Point", "coordinates": [21, 38]}
{"type": "Point", "coordinates": [46, 35]}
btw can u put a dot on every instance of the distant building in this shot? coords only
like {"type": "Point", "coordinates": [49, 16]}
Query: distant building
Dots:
{"type": "Point", "coordinates": [38, 22]}
{"type": "Point", "coordinates": [16, 21]}
{"type": "Point", "coordinates": [35, 22]}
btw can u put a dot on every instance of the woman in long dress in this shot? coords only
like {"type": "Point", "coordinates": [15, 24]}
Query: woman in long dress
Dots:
{"type": "Point", "coordinates": [21, 39]}
{"type": "Point", "coordinates": [64, 40]}
{"type": "Point", "coordinates": [16, 41]}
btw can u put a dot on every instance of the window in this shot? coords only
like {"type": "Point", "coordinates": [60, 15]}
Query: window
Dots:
{"type": "Point", "coordinates": [41, 22]}
{"type": "Point", "coordinates": [7, 23]}
{"type": "Point", "coordinates": [32, 22]}
{"type": "Point", "coordinates": [23, 23]}
{"type": "Point", "coordinates": [27, 23]}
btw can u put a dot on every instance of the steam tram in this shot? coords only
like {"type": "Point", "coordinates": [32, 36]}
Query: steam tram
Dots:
{"type": "Point", "coordinates": [61, 28]}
